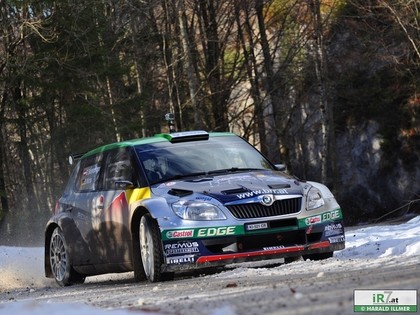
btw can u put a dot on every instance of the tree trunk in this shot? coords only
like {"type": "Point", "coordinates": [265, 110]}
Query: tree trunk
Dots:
{"type": "Point", "coordinates": [3, 194]}
{"type": "Point", "coordinates": [211, 47]}
{"type": "Point", "coordinates": [24, 148]}
{"type": "Point", "coordinates": [269, 109]}
{"type": "Point", "coordinates": [328, 155]}
{"type": "Point", "coordinates": [193, 83]}
{"type": "Point", "coordinates": [252, 73]}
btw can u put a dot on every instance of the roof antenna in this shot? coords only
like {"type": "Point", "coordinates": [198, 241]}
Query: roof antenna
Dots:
{"type": "Point", "coordinates": [170, 118]}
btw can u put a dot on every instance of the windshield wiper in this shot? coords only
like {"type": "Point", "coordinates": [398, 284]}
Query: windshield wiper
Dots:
{"type": "Point", "coordinates": [235, 169]}
{"type": "Point", "coordinates": [179, 176]}
{"type": "Point", "coordinates": [214, 172]}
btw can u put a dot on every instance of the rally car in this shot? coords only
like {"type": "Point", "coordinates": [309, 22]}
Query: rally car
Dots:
{"type": "Point", "coordinates": [181, 201]}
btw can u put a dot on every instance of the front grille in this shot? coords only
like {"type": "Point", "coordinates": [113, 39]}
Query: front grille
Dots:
{"type": "Point", "coordinates": [257, 210]}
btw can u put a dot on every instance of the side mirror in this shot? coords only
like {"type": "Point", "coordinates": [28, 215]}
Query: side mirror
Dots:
{"type": "Point", "coordinates": [280, 167]}
{"type": "Point", "coordinates": [124, 184]}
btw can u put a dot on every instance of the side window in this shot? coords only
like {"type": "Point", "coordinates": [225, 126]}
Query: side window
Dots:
{"type": "Point", "coordinates": [72, 180]}
{"type": "Point", "coordinates": [88, 175]}
{"type": "Point", "coordinates": [118, 167]}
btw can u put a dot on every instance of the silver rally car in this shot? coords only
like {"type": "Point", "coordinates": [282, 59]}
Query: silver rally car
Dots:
{"type": "Point", "coordinates": [181, 201]}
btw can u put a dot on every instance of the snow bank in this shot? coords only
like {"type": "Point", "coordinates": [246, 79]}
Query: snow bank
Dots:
{"type": "Point", "coordinates": [383, 241]}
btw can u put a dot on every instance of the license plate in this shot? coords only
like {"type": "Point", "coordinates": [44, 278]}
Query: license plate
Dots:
{"type": "Point", "coordinates": [256, 226]}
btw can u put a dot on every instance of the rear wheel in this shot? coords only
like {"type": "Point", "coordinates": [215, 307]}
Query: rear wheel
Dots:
{"type": "Point", "coordinates": [60, 261]}
{"type": "Point", "coordinates": [151, 249]}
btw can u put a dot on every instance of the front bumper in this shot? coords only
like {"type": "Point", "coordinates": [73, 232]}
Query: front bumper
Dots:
{"type": "Point", "coordinates": [217, 246]}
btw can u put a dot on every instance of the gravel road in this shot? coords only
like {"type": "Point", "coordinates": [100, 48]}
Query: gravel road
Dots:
{"type": "Point", "coordinates": [301, 287]}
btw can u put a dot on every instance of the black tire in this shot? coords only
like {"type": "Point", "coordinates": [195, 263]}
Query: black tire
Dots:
{"type": "Point", "coordinates": [289, 260]}
{"type": "Point", "coordinates": [139, 274]}
{"type": "Point", "coordinates": [151, 249]}
{"type": "Point", "coordinates": [319, 256]}
{"type": "Point", "coordinates": [77, 278]}
{"type": "Point", "coordinates": [60, 261]}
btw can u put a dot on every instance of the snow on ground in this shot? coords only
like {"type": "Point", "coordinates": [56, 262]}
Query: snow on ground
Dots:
{"type": "Point", "coordinates": [23, 267]}
{"type": "Point", "coordinates": [383, 241]}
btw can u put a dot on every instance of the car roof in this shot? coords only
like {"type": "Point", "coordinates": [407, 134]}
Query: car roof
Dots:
{"type": "Point", "coordinates": [176, 137]}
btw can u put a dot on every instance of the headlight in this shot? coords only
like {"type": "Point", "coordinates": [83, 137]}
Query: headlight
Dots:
{"type": "Point", "coordinates": [314, 199]}
{"type": "Point", "coordinates": [197, 210]}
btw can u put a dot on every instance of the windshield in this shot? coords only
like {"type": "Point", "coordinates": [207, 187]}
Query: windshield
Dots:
{"type": "Point", "coordinates": [164, 161]}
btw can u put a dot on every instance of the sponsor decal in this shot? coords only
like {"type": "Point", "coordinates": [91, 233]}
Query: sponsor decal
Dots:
{"type": "Point", "coordinates": [333, 232]}
{"type": "Point", "coordinates": [87, 181]}
{"type": "Point", "coordinates": [119, 203]}
{"type": "Point", "coordinates": [313, 220]}
{"type": "Point", "coordinates": [336, 239]}
{"type": "Point", "coordinates": [203, 232]}
{"type": "Point", "coordinates": [256, 226]}
{"type": "Point", "coordinates": [333, 229]}
{"type": "Point", "coordinates": [91, 170]}
{"type": "Point", "coordinates": [231, 179]}
{"type": "Point", "coordinates": [109, 208]}
{"type": "Point", "coordinates": [168, 184]}
{"type": "Point", "coordinates": [179, 234]}
{"type": "Point", "coordinates": [204, 198]}
{"type": "Point", "coordinates": [258, 192]}
{"type": "Point", "coordinates": [186, 259]}
{"type": "Point", "coordinates": [332, 215]}
{"type": "Point", "coordinates": [320, 218]}
{"type": "Point", "coordinates": [133, 195]}
{"type": "Point", "coordinates": [336, 226]}
{"type": "Point", "coordinates": [216, 231]}
{"type": "Point", "coordinates": [273, 247]}
{"type": "Point", "coordinates": [178, 248]}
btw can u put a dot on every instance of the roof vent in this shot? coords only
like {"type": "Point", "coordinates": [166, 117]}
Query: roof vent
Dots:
{"type": "Point", "coordinates": [185, 136]}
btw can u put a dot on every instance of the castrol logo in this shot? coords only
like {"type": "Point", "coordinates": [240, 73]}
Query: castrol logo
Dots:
{"type": "Point", "coordinates": [180, 234]}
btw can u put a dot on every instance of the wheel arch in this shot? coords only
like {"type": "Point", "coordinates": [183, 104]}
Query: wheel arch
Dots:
{"type": "Point", "coordinates": [155, 207]}
{"type": "Point", "coordinates": [48, 233]}
{"type": "Point", "coordinates": [73, 238]}
{"type": "Point", "coordinates": [140, 211]}
{"type": "Point", "coordinates": [135, 221]}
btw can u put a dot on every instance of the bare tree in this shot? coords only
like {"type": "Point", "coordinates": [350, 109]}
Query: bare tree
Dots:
{"type": "Point", "coordinates": [193, 82]}
{"type": "Point", "coordinates": [328, 155]}
{"type": "Point", "coordinates": [271, 99]}
{"type": "Point", "coordinates": [407, 16]}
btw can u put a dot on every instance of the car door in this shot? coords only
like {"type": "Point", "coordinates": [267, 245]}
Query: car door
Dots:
{"type": "Point", "coordinates": [111, 216]}
{"type": "Point", "coordinates": [85, 206]}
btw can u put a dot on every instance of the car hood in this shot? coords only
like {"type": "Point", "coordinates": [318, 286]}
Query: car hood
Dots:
{"type": "Point", "coordinates": [232, 187]}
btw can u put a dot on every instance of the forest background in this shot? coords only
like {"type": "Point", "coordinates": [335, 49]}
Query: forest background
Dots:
{"type": "Point", "coordinates": [328, 87]}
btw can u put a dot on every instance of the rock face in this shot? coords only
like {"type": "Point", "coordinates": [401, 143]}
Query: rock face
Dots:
{"type": "Point", "coordinates": [371, 182]}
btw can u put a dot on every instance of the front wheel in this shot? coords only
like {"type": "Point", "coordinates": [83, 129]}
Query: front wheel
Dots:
{"type": "Point", "coordinates": [151, 249]}
{"type": "Point", "coordinates": [318, 256]}
{"type": "Point", "coordinates": [60, 261]}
